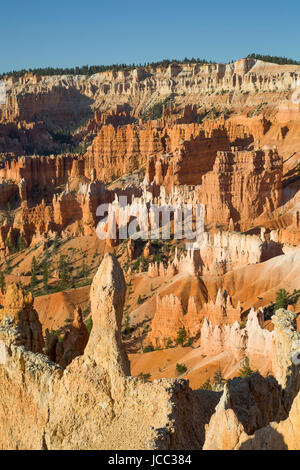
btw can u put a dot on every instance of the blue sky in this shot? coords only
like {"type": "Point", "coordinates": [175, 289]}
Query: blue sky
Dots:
{"type": "Point", "coordinates": [68, 33]}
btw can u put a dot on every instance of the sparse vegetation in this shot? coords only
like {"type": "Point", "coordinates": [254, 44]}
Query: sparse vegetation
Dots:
{"type": "Point", "coordinates": [206, 385]}
{"type": "Point", "coordinates": [8, 267]}
{"type": "Point", "coordinates": [33, 280]}
{"type": "Point", "coordinates": [144, 377]}
{"type": "Point", "coordinates": [283, 299]}
{"type": "Point", "coordinates": [91, 69]}
{"type": "Point", "coordinates": [64, 273]}
{"type": "Point", "coordinates": [21, 245]}
{"type": "Point", "coordinates": [2, 282]}
{"type": "Point", "coordinates": [148, 348]}
{"type": "Point", "coordinates": [181, 336]}
{"type": "Point", "coordinates": [180, 368]}
{"type": "Point", "coordinates": [89, 324]}
{"type": "Point", "coordinates": [246, 370]}
{"type": "Point", "coordinates": [45, 274]}
{"type": "Point", "coordinates": [155, 112]}
{"type": "Point", "coordinates": [274, 59]}
{"type": "Point", "coordinates": [218, 377]}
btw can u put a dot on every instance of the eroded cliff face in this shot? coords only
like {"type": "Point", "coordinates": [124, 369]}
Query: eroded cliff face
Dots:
{"type": "Point", "coordinates": [18, 307]}
{"type": "Point", "coordinates": [125, 148]}
{"type": "Point", "coordinates": [228, 184]}
{"type": "Point", "coordinates": [257, 413]}
{"type": "Point", "coordinates": [227, 138]}
{"type": "Point", "coordinates": [69, 97]}
{"type": "Point", "coordinates": [172, 314]}
{"type": "Point", "coordinates": [93, 403]}
{"type": "Point", "coordinates": [73, 343]}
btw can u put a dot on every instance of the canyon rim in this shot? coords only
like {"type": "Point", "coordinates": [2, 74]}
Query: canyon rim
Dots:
{"type": "Point", "coordinates": [150, 257]}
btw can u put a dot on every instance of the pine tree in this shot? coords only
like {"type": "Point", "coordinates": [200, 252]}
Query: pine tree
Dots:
{"type": "Point", "coordinates": [2, 282]}
{"type": "Point", "coordinates": [246, 370]}
{"type": "Point", "coordinates": [181, 336]}
{"type": "Point", "coordinates": [45, 274]}
{"type": "Point", "coordinates": [8, 266]}
{"type": "Point", "coordinates": [84, 270]}
{"type": "Point", "coordinates": [55, 243]}
{"type": "Point", "coordinates": [33, 280]}
{"type": "Point", "coordinates": [63, 271]}
{"type": "Point", "coordinates": [282, 299]}
{"type": "Point", "coordinates": [206, 385]}
{"type": "Point", "coordinates": [218, 377]}
{"type": "Point", "coordinates": [21, 243]}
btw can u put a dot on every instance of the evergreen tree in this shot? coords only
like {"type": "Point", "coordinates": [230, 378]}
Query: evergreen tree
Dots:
{"type": "Point", "coordinates": [21, 243]}
{"type": "Point", "coordinates": [206, 385]}
{"type": "Point", "coordinates": [246, 370]}
{"type": "Point", "coordinates": [33, 280]}
{"type": "Point", "coordinates": [84, 270]}
{"type": "Point", "coordinates": [55, 243]}
{"type": "Point", "coordinates": [282, 299]}
{"type": "Point", "coordinates": [181, 336]}
{"type": "Point", "coordinates": [10, 244]}
{"type": "Point", "coordinates": [218, 377]}
{"type": "Point", "coordinates": [2, 282]}
{"type": "Point", "coordinates": [63, 271]}
{"type": "Point", "coordinates": [45, 274]}
{"type": "Point", "coordinates": [8, 266]}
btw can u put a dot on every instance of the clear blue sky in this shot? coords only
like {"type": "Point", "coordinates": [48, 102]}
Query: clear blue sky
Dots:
{"type": "Point", "coordinates": [67, 33]}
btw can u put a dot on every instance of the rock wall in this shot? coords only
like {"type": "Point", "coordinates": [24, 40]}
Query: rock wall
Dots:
{"type": "Point", "coordinates": [221, 252]}
{"type": "Point", "coordinates": [116, 151]}
{"type": "Point", "coordinates": [18, 308]}
{"type": "Point", "coordinates": [73, 343]}
{"type": "Point", "coordinates": [171, 315]}
{"type": "Point", "coordinates": [257, 413]}
{"type": "Point", "coordinates": [241, 186]}
{"type": "Point", "coordinates": [38, 172]}
{"type": "Point", "coordinates": [251, 340]}
{"type": "Point", "coordinates": [67, 98]}
{"type": "Point", "coordinates": [238, 186]}
{"type": "Point", "coordinates": [92, 403]}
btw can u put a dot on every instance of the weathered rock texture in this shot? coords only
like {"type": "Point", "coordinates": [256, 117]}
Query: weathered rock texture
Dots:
{"type": "Point", "coordinates": [73, 344]}
{"type": "Point", "coordinates": [237, 185]}
{"type": "Point", "coordinates": [257, 413]}
{"type": "Point", "coordinates": [18, 307]}
{"type": "Point", "coordinates": [74, 97]}
{"type": "Point", "coordinates": [93, 403]}
{"type": "Point", "coordinates": [250, 340]}
{"type": "Point", "coordinates": [171, 315]}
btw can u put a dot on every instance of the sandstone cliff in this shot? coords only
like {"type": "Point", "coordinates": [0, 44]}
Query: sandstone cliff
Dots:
{"type": "Point", "coordinates": [246, 419]}
{"type": "Point", "coordinates": [93, 403]}
{"type": "Point", "coordinates": [66, 98]}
